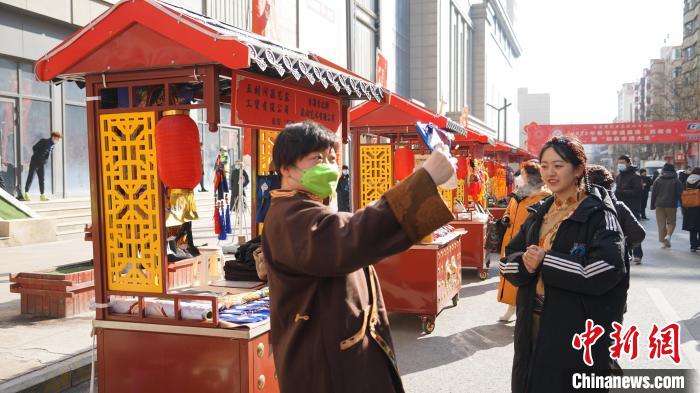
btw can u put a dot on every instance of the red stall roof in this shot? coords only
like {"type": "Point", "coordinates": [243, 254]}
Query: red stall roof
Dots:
{"type": "Point", "coordinates": [398, 111]}
{"type": "Point", "coordinates": [143, 34]}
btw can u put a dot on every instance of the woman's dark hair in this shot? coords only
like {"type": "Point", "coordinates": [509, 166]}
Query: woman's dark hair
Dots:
{"type": "Point", "coordinates": [600, 176]}
{"type": "Point", "coordinates": [297, 140]}
{"type": "Point", "coordinates": [534, 178]}
{"type": "Point", "coordinates": [571, 150]}
{"type": "Point", "coordinates": [696, 171]}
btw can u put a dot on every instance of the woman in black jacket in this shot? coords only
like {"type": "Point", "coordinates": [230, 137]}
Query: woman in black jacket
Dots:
{"type": "Point", "coordinates": [568, 261]}
{"type": "Point", "coordinates": [631, 228]}
{"type": "Point", "coordinates": [691, 215]}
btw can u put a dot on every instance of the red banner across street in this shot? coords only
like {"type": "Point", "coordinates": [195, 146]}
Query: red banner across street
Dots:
{"type": "Point", "coordinates": [615, 133]}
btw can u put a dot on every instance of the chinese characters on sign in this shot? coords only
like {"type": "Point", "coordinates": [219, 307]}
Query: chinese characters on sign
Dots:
{"type": "Point", "coordinates": [662, 342]}
{"type": "Point", "coordinates": [258, 102]}
{"type": "Point", "coordinates": [615, 133]}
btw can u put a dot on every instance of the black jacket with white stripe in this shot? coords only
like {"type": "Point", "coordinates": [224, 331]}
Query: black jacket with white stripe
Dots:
{"type": "Point", "coordinates": [585, 277]}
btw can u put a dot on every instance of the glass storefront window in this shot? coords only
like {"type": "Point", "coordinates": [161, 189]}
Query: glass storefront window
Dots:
{"type": "Point", "coordinates": [8, 75]}
{"type": "Point", "coordinates": [144, 96]}
{"type": "Point", "coordinates": [72, 92]}
{"type": "Point", "coordinates": [210, 153]}
{"type": "Point", "coordinates": [29, 85]}
{"type": "Point", "coordinates": [77, 172]}
{"type": "Point", "coordinates": [35, 124]}
{"type": "Point", "coordinates": [8, 166]}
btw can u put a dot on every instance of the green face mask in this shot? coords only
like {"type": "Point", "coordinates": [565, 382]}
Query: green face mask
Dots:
{"type": "Point", "coordinates": [321, 179]}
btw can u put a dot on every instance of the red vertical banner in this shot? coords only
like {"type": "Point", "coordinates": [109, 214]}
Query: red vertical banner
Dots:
{"type": "Point", "coordinates": [382, 69]}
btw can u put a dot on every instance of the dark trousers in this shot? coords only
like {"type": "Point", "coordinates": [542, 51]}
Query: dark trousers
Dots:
{"type": "Point", "coordinates": [38, 168]}
{"type": "Point", "coordinates": [694, 239]}
{"type": "Point", "coordinates": [645, 199]}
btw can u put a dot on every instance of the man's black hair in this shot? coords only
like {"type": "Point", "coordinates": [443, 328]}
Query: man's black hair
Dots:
{"type": "Point", "coordinates": [642, 170]}
{"type": "Point", "coordinates": [298, 140]}
{"type": "Point", "coordinates": [625, 157]}
{"type": "Point", "coordinates": [345, 167]}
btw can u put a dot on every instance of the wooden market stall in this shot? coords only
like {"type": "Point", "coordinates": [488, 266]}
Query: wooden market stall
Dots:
{"type": "Point", "coordinates": [387, 148]}
{"type": "Point", "coordinates": [143, 61]}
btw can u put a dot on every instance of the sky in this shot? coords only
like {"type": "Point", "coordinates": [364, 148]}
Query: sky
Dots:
{"type": "Point", "coordinates": [581, 52]}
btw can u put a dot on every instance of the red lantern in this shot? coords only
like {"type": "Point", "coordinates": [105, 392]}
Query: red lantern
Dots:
{"type": "Point", "coordinates": [462, 168]}
{"type": "Point", "coordinates": [178, 150]}
{"type": "Point", "coordinates": [179, 163]}
{"type": "Point", "coordinates": [404, 163]}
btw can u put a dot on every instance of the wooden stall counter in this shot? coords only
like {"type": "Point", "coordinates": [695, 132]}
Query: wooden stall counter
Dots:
{"type": "Point", "coordinates": [423, 279]}
{"type": "Point", "coordinates": [186, 359]}
{"type": "Point", "coordinates": [472, 247]}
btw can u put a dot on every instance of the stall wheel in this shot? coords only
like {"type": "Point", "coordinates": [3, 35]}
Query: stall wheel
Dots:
{"type": "Point", "coordinates": [428, 324]}
{"type": "Point", "coordinates": [455, 300]}
{"type": "Point", "coordinates": [483, 274]}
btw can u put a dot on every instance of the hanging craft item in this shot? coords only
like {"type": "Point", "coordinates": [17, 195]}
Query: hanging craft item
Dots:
{"type": "Point", "coordinates": [404, 162]}
{"type": "Point", "coordinates": [222, 213]}
{"type": "Point", "coordinates": [179, 163]}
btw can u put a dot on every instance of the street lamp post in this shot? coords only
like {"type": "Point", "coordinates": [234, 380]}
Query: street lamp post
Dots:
{"type": "Point", "coordinates": [504, 108]}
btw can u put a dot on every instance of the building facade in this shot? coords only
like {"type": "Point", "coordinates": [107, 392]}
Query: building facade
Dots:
{"type": "Point", "coordinates": [447, 54]}
{"type": "Point", "coordinates": [532, 107]}
{"type": "Point", "coordinates": [625, 103]}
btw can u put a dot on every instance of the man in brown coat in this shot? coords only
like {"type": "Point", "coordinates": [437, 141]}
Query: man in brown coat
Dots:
{"type": "Point", "coordinates": [329, 327]}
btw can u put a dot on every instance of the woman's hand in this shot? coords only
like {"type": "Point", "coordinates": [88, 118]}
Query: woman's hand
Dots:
{"type": "Point", "coordinates": [533, 258]}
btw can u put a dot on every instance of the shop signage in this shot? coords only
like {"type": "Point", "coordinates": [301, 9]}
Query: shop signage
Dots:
{"type": "Point", "coordinates": [267, 103]}
{"type": "Point", "coordinates": [382, 69]}
{"type": "Point", "coordinates": [615, 133]}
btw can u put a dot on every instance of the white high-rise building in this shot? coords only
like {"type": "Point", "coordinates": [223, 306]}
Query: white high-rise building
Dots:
{"type": "Point", "coordinates": [532, 107]}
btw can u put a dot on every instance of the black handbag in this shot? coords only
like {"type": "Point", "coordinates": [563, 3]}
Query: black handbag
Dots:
{"type": "Point", "coordinates": [495, 230]}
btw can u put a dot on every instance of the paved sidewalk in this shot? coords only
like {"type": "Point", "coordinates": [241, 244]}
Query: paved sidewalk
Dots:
{"type": "Point", "coordinates": [33, 349]}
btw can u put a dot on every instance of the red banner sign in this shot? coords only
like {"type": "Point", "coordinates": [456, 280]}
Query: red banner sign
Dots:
{"type": "Point", "coordinates": [382, 69]}
{"type": "Point", "coordinates": [267, 103]}
{"type": "Point", "coordinates": [615, 133]}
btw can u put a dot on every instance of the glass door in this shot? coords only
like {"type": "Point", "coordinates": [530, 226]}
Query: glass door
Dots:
{"type": "Point", "coordinates": [8, 136]}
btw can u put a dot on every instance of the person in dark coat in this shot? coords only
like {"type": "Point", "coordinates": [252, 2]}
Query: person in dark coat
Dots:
{"type": "Point", "coordinates": [683, 176]}
{"type": "Point", "coordinates": [646, 189]}
{"type": "Point", "coordinates": [691, 217]}
{"type": "Point", "coordinates": [568, 262]}
{"type": "Point", "coordinates": [343, 190]}
{"type": "Point", "coordinates": [41, 153]}
{"type": "Point", "coordinates": [629, 185]}
{"type": "Point", "coordinates": [634, 231]}
{"type": "Point", "coordinates": [236, 186]}
{"type": "Point", "coordinates": [665, 198]}
{"type": "Point", "coordinates": [328, 327]}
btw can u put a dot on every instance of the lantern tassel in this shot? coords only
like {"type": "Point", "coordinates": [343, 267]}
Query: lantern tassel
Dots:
{"type": "Point", "coordinates": [222, 224]}
{"type": "Point", "coordinates": [229, 230]}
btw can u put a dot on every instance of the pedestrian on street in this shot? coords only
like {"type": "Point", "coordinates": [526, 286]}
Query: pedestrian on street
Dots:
{"type": "Point", "coordinates": [41, 153]}
{"type": "Point", "coordinates": [343, 190]}
{"type": "Point", "coordinates": [665, 198]}
{"type": "Point", "coordinates": [683, 176]}
{"type": "Point", "coordinates": [629, 190]}
{"type": "Point", "coordinates": [568, 264]}
{"type": "Point", "coordinates": [329, 326]}
{"type": "Point", "coordinates": [646, 188]}
{"type": "Point", "coordinates": [691, 216]}
{"type": "Point", "coordinates": [631, 228]}
{"type": "Point", "coordinates": [530, 190]}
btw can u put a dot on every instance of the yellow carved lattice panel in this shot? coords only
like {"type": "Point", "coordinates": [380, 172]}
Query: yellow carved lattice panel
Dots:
{"type": "Point", "coordinates": [376, 165]}
{"type": "Point", "coordinates": [266, 141]}
{"type": "Point", "coordinates": [460, 191]}
{"type": "Point", "coordinates": [131, 202]}
{"type": "Point", "coordinates": [446, 196]}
